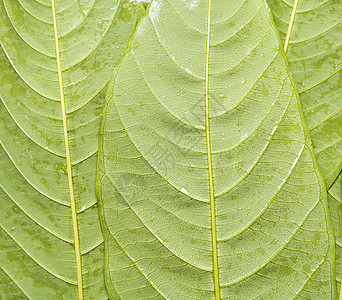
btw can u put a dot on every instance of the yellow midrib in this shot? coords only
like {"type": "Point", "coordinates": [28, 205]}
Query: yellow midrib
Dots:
{"type": "Point", "coordinates": [68, 161]}
{"type": "Point", "coordinates": [289, 30]}
{"type": "Point", "coordinates": [210, 167]}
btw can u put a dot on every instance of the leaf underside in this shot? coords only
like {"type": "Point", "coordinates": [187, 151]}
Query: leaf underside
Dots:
{"type": "Point", "coordinates": [274, 237]}
{"type": "Point", "coordinates": [37, 253]}
{"type": "Point", "coordinates": [315, 57]}
{"type": "Point", "coordinates": [335, 207]}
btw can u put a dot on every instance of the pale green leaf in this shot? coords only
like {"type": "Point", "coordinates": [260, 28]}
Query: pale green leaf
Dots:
{"type": "Point", "coordinates": [335, 207]}
{"type": "Point", "coordinates": [313, 38]}
{"type": "Point", "coordinates": [315, 56]}
{"type": "Point", "coordinates": [43, 42]}
{"type": "Point", "coordinates": [234, 211]}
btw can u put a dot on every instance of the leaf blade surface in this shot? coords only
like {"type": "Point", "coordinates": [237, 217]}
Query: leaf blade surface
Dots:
{"type": "Point", "coordinates": [154, 175]}
{"type": "Point", "coordinates": [36, 218]}
{"type": "Point", "coordinates": [335, 207]}
{"type": "Point", "coordinates": [314, 53]}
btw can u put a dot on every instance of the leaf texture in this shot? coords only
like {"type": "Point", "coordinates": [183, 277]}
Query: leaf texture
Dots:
{"type": "Point", "coordinates": [56, 58]}
{"type": "Point", "coordinates": [314, 53]}
{"type": "Point", "coordinates": [335, 207]}
{"type": "Point", "coordinates": [315, 57]}
{"type": "Point", "coordinates": [207, 182]}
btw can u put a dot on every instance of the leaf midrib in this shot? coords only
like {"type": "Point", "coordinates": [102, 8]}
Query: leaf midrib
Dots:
{"type": "Point", "coordinates": [68, 161]}
{"type": "Point", "coordinates": [289, 30]}
{"type": "Point", "coordinates": [210, 167]}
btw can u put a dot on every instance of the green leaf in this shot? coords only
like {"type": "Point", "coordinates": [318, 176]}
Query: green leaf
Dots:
{"type": "Point", "coordinates": [312, 31]}
{"type": "Point", "coordinates": [315, 57]}
{"type": "Point", "coordinates": [335, 207]}
{"type": "Point", "coordinates": [56, 59]}
{"type": "Point", "coordinates": [207, 181]}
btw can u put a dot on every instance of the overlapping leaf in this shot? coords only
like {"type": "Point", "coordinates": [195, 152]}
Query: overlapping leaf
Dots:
{"type": "Point", "coordinates": [207, 180]}
{"type": "Point", "coordinates": [335, 206]}
{"type": "Point", "coordinates": [315, 57]}
{"type": "Point", "coordinates": [314, 52]}
{"type": "Point", "coordinates": [37, 252]}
